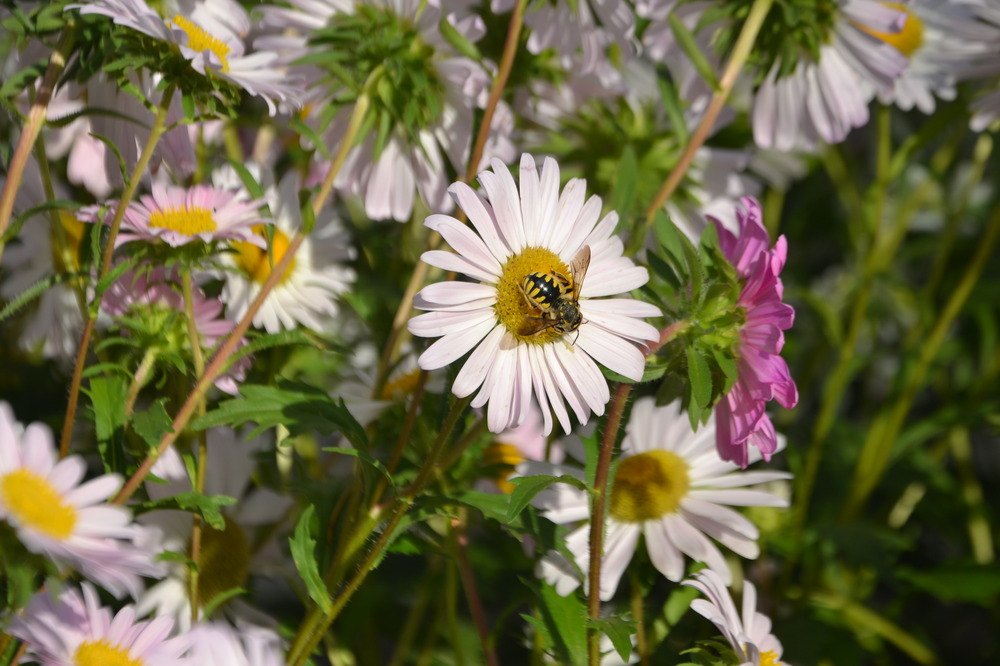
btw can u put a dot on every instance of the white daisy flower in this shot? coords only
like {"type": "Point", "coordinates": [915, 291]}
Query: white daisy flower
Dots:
{"type": "Point", "coordinates": [670, 487]}
{"type": "Point", "coordinates": [307, 293]}
{"type": "Point", "coordinates": [55, 515]}
{"type": "Point", "coordinates": [75, 629]}
{"type": "Point", "coordinates": [546, 344]}
{"type": "Point", "coordinates": [228, 556]}
{"type": "Point", "coordinates": [221, 644]}
{"type": "Point", "coordinates": [750, 635]}
{"type": "Point", "coordinates": [986, 108]}
{"type": "Point", "coordinates": [421, 130]}
{"type": "Point", "coordinates": [939, 38]}
{"type": "Point", "coordinates": [210, 34]}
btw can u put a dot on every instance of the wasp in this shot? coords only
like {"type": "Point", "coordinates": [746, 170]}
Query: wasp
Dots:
{"type": "Point", "coordinates": [555, 297]}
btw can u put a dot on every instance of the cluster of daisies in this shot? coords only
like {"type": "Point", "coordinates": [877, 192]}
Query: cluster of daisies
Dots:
{"type": "Point", "coordinates": [540, 314]}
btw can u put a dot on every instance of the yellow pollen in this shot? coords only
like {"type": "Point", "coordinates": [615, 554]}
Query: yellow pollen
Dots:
{"type": "Point", "coordinates": [512, 307]}
{"type": "Point", "coordinates": [200, 40]}
{"type": "Point", "coordinates": [401, 386]}
{"type": "Point", "coordinates": [769, 658]}
{"type": "Point", "coordinates": [224, 561]}
{"type": "Point", "coordinates": [907, 40]}
{"type": "Point", "coordinates": [503, 458]}
{"type": "Point", "coordinates": [102, 653]}
{"type": "Point", "coordinates": [33, 501]}
{"type": "Point", "coordinates": [648, 485]}
{"type": "Point", "coordinates": [188, 221]}
{"type": "Point", "coordinates": [257, 263]}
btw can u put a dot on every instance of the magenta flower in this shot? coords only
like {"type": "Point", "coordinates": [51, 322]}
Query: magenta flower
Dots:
{"type": "Point", "coordinates": [763, 374]}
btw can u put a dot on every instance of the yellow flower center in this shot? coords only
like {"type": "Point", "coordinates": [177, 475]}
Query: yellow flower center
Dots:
{"type": "Point", "coordinates": [257, 263]}
{"type": "Point", "coordinates": [200, 40]}
{"type": "Point", "coordinates": [401, 386]}
{"type": "Point", "coordinates": [907, 40]}
{"type": "Point", "coordinates": [502, 459]}
{"type": "Point", "coordinates": [102, 653]}
{"type": "Point", "coordinates": [648, 485]}
{"type": "Point", "coordinates": [224, 561]}
{"type": "Point", "coordinates": [769, 658]}
{"type": "Point", "coordinates": [66, 257]}
{"type": "Point", "coordinates": [188, 221]}
{"type": "Point", "coordinates": [33, 501]}
{"type": "Point", "coordinates": [512, 306]}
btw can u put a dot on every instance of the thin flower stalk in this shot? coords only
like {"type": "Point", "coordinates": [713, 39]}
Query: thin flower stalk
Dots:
{"type": "Point", "coordinates": [36, 118]}
{"type": "Point", "coordinates": [157, 131]}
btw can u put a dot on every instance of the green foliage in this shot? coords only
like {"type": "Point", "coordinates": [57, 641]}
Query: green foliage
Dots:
{"type": "Point", "coordinates": [303, 546]}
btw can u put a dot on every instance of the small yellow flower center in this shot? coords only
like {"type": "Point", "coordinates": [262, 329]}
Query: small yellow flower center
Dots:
{"type": "Point", "coordinates": [907, 40]}
{"type": "Point", "coordinates": [512, 306]}
{"type": "Point", "coordinates": [33, 501]}
{"type": "Point", "coordinates": [648, 485]}
{"type": "Point", "coordinates": [401, 386]}
{"type": "Point", "coordinates": [224, 560]}
{"type": "Point", "coordinates": [200, 40]}
{"type": "Point", "coordinates": [188, 221]}
{"type": "Point", "coordinates": [102, 653]}
{"type": "Point", "coordinates": [770, 658]}
{"type": "Point", "coordinates": [66, 257]}
{"type": "Point", "coordinates": [257, 263]}
{"type": "Point", "coordinates": [502, 459]}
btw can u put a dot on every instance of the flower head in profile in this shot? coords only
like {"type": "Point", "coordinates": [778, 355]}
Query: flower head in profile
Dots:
{"type": "Point", "coordinates": [56, 515]}
{"type": "Point", "coordinates": [210, 35]}
{"type": "Point", "coordinates": [179, 215]}
{"type": "Point", "coordinates": [669, 487]}
{"type": "Point", "coordinates": [75, 629]}
{"type": "Point", "coordinates": [524, 242]}
{"type": "Point", "coordinates": [763, 375]}
{"type": "Point", "coordinates": [749, 634]}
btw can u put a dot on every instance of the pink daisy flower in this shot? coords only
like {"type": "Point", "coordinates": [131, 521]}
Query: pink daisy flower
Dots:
{"type": "Point", "coordinates": [178, 215]}
{"type": "Point", "coordinates": [763, 374]}
{"type": "Point", "coordinates": [750, 635]}
{"type": "Point", "coordinates": [76, 629]}
{"type": "Point", "coordinates": [57, 516]}
{"type": "Point", "coordinates": [521, 347]}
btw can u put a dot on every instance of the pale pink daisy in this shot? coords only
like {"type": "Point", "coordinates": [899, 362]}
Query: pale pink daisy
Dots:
{"type": "Point", "coordinates": [210, 34]}
{"type": "Point", "coordinates": [307, 293]}
{"type": "Point", "coordinates": [179, 215]}
{"type": "Point", "coordinates": [986, 107]}
{"type": "Point", "coordinates": [75, 630]}
{"type": "Point", "coordinates": [153, 296]}
{"type": "Point", "coordinates": [750, 635]}
{"type": "Point", "coordinates": [670, 487]}
{"type": "Point", "coordinates": [221, 644]}
{"type": "Point", "coordinates": [763, 374]}
{"type": "Point", "coordinates": [56, 515]}
{"type": "Point", "coordinates": [516, 352]}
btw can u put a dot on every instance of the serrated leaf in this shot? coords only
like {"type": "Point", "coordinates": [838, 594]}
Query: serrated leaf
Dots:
{"type": "Point", "coordinates": [491, 505]}
{"type": "Point", "coordinates": [153, 423]}
{"type": "Point", "coordinates": [700, 376]}
{"type": "Point", "coordinates": [526, 487]}
{"type": "Point", "coordinates": [303, 549]}
{"type": "Point", "coordinates": [618, 630]}
{"type": "Point", "coordinates": [107, 396]}
{"type": "Point", "coordinates": [565, 622]}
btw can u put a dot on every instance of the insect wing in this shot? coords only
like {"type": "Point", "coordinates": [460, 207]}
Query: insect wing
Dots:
{"type": "Point", "coordinates": [578, 267]}
{"type": "Point", "coordinates": [531, 325]}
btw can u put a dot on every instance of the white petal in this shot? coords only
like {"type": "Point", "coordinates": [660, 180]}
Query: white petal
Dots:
{"type": "Point", "coordinates": [473, 373]}
{"type": "Point", "coordinates": [482, 218]}
{"type": "Point", "coordinates": [464, 241]}
{"type": "Point", "coordinates": [454, 345]}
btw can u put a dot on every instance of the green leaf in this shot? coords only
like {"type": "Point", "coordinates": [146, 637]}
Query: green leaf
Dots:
{"type": "Point", "coordinates": [526, 487]}
{"type": "Point", "coordinates": [208, 507]}
{"type": "Point", "coordinates": [700, 376]}
{"type": "Point", "coordinates": [626, 179]}
{"type": "Point", "coordinates": [249, 182]}
{"type": "Point", "coordinates": [651, 372]}
{"type": "Point", "coordinates": [674, 107]}
{"type": "Point", "coordinates": [303, 548]}
{"type": "Point", "coordinates": [107, 395]}
{"type": "Point", "coordinates": [563, 623]}
{"type": "Point", "coordinates": [364, 457]}
{"type": "Point", "coordinates": [491, 505]}
{"type": "Point", "coordinates": [957, 582]}
{"type": "Point", "coordinates": [689, 45]}
{"type": "Point", "coordinates": [458, 41]}
{"type": "Point", "coordinates": [618, 630]}
{"type": "Point", "coordinates": [153, 423]}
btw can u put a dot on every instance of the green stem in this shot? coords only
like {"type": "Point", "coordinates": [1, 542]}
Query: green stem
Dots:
{"type": "Point", "coordinates": [741, 51]}
{"type": "Point", "coordinates": [877, 449]}
{"type": "Point", "coordinates": [316, 623]}
{"type": "Point", "coordinates": [155, 132]}
{"type": "Point", "coordinates": [461, 547]}
{"type": "Point", "coordinates": [32, 128]}
{"type": "Point", "coordinates": [638, 616]}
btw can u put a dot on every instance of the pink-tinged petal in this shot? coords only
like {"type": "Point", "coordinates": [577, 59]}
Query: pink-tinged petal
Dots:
{"type": "Point", "coordinates": [502, 193]}
{"type": "Point", "coordinates": [453, 346]}
{"type": "Point", "coordinates": [464, 242]}
{"type": "Point", "coordinates": [474, 372]}
{"type": "Point", "coordinates": [96, 490]}
{"type": "Point", "coordinates": [67, 473]}
{"type": "Point", "coordinates": [40, 457]}
{"type": "Point", "coordinates": [581, 229]}
{"type": "Point", "coordinates": [696, 545]}
{"type": "Point", "coordinates": [482, 218]}
{"type": "Point", "coordinates": [610, 351]}
{"type": "Point", "coordinates": [531, 212]}
{"type": "Point", "coordinates": [570, 204]}
{"type": "Point", "coordinates": [623, 278]}
{"type": "Point", "coordinates": [737, 480]}
{"type": "Point", "coordinates": [566, 389]}
{"type": "Point", "coordinates": [585, 375]}
{"type": "Point", "coordinates": [548, 201]}
{"type": "Point", "coordinates": [501, 385]}
{"type": "Point", "coordinates": [451, 295]}
{"type": "Point", "coordinates": [598, 313]}
{"type": "Point", "coordinates": [740, 497]}
{"type": "Point", "coordinates": [662, 552]}
{"type": "Point", "coordinates": [450, 261]}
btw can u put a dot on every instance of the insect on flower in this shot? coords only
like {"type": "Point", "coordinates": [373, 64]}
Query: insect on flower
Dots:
{"type": "Point", "coordinates": [556, 297]}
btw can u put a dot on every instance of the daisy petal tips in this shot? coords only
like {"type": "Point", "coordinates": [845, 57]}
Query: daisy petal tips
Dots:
{"type": "Point", "coordinates": [539, 259]}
